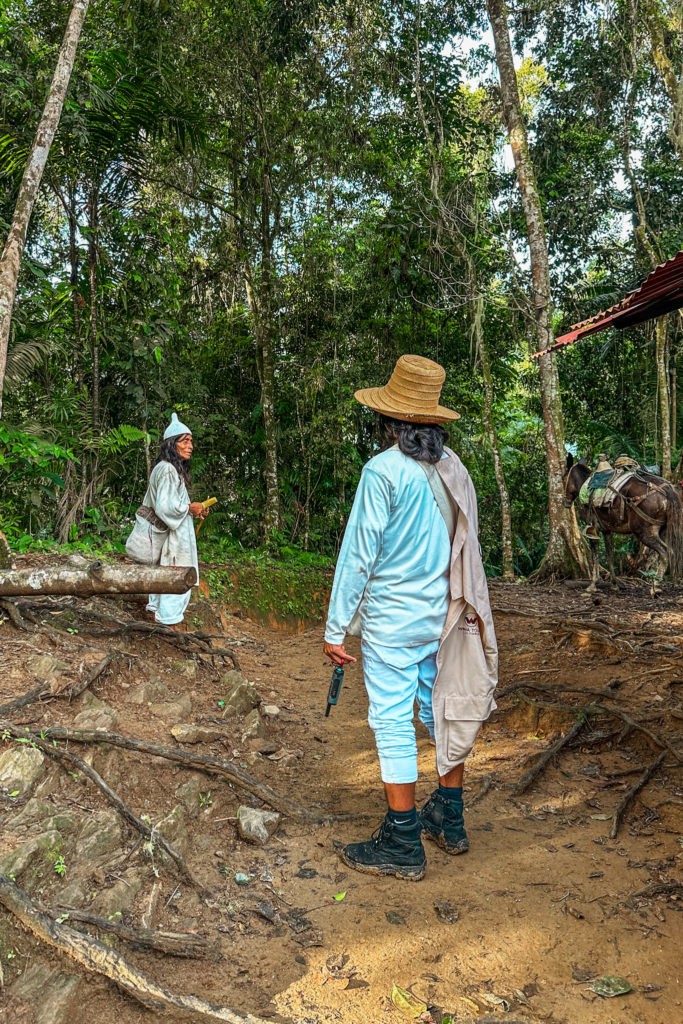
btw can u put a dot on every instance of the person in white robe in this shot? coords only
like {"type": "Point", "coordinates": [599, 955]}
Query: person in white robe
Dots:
{"type": "Point", "coordinates": [168, 499]}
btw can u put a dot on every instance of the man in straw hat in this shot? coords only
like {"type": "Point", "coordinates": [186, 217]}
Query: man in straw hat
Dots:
{"type": "Point", "coordinates": [410, 571]}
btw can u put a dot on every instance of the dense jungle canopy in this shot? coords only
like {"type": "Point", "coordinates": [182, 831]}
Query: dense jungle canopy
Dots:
{"type": "Point", "coordinates": [252, 207]}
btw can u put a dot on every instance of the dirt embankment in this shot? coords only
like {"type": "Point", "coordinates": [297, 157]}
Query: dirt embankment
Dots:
{"type": "Point", "coordinates": [572, 874]}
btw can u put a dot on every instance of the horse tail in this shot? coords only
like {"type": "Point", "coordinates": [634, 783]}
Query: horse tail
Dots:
{"type": "Point", "coordinates": [673, 534]}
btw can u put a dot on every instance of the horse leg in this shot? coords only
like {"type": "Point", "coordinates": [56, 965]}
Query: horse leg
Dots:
{"type": "Point", "coordinates": [595, 564]}
{"type": "Point", "coordinates": [649, 536]}
{"type": "Point", "coordinates": [609, 551]}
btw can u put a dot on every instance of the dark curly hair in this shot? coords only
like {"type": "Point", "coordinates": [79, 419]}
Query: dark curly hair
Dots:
{"type": "Point", "coordinates": [423, 442]}
{"type": "Point", "coordinates": [168, 452]}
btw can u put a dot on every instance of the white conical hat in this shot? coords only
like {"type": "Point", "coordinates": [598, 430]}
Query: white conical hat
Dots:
{"type": "Point", "coordinates": [175, 428]}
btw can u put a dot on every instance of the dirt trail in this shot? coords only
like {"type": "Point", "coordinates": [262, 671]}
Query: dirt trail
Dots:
{"type": "Point", "coordinates": [515, 930]}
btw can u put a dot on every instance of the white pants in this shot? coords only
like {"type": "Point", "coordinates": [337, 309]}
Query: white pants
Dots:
{"type": "Point", "coordinates": [395, 677]}
{"type": "Point", "coordinates": [169, 609]}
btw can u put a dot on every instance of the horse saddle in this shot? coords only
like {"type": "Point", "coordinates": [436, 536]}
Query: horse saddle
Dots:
{"type": "Point", "coordinates": [601, 489]}
{"type": "Point", "coordinates": [600, 479]}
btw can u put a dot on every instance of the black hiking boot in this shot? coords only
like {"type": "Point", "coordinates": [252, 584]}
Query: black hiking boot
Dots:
{"type": "Point", "coordinates": [441, 821]}
{"type": "Point", "coordinates": [392, 850]}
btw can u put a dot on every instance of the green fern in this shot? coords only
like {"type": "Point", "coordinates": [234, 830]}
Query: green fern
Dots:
{"type": "Point", "coordinates": [118, 439]}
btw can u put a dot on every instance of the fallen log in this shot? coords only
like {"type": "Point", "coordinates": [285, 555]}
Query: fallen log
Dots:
{"type": "Point", "coordinates": [97, 578]}
{"type": "Point", "coordinates": [103, 960]}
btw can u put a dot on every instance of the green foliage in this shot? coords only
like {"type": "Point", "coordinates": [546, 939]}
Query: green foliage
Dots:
{"type": "Point", "coordinates": [234, 181]}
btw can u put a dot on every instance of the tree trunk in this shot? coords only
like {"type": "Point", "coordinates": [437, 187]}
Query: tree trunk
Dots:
{"type": "Point", "coordinates": [665, 64]}
{"type": "Point", "coordinates": [662, 352]}
{"type": "Point", "coordinates": [92, 277]}
{"type": "Point", "coordinates": [259, 299]}
{"type": "Point", "coordinates": [76, 299]}
{"type": "Point", "coordinates": [565, 551]}
{"type": "Point", "coordinates": [10, 261]}
{"type": "Point", "coordinates": [97, 578]}
{"type": "Point", "coordinates": [489, 423]}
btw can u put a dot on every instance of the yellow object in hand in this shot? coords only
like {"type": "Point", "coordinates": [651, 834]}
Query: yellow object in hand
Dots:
{"type": "Point", "coordinates": [209, 502]}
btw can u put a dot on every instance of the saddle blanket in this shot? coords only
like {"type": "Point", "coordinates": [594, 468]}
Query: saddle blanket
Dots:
{"type": "Point", "coordinates": [608, 484]}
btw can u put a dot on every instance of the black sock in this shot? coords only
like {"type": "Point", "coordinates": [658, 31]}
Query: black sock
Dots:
{"type": "Point", "coordinates": [451, 793]}
{"type": "Point", "coordinates": [407, 819]}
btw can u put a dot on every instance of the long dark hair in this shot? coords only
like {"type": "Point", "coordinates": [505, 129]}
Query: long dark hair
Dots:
{"type": "Point", "coordinates": [421, 441]}
{"type": "Point", "coordinates": [168, 452]}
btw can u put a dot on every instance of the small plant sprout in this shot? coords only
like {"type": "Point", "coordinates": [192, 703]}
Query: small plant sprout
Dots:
{"type": "Point", "coordinates": [205, 799]}
{"type": "Point", "coordinates": [60, 865]}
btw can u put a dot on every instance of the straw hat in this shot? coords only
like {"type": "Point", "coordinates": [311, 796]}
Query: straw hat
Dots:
{"type": "Point", "coordinates": [412, 393]}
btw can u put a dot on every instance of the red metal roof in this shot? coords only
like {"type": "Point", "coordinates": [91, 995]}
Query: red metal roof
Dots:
{"type": "Point", "coordinates": [661, 292]}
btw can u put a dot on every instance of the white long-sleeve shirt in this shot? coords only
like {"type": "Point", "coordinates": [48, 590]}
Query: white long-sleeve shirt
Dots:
{"type": "Point", "coordinates": [394, 560]}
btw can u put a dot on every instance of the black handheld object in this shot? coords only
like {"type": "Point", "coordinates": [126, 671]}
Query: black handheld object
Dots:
{"type": "Point", "coordinates": [335, 688]}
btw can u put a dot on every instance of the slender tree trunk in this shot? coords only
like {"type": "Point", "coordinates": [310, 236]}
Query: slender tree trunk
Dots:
{"type": "Point", "coordinates": [662, 350]}
{"type": "Point", "coordinates": [490, 424]}
{"type": "Point", "coordinates": [665, 64]}
{"type": "Point", "coordinates": [673, 387]}
{"type": "Point", "coordinates": [92, 275]}
{"type": "Point", "coordinates": [565, 551]}
{"type": "Point", "coordinates": [10, 261]}
{"type": "Point", "coordinates": [258, 300]}
{"type": "Point", "coordinates": [69, 204]}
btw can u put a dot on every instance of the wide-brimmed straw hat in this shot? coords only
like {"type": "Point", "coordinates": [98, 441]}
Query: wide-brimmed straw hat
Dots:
{"type": "Point", "coordinates": [412, 393]}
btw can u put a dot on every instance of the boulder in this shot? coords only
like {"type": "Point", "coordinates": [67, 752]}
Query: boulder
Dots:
{"type": "Point", "coordinates": [97, 715]}
{"type": "Point", "coordinates": [48, 995]}
{"type": "Point", "coordinates": [151, 691]}
{"type": "Point", "coordinates": [185, 669]}
{"type": "Point", "coordinates": [256, 826]}
{"type": "Point", "coordinates": [46, 816]}
{"type": "Point", "coordinates": [270, 710]}
{"type": "Point", "coordinates": [254, 727]}
{"type": "Point", "coordinates": [188, 793]}
{"type": "Point", "coordinates": [40, 851]}
{"type": "Point", "coordinates": [187, 732]}
{"type": "Point", "coordinates": [240, 695]}
{"type": "Point", "coordinates": [174, 829]}
{"type": "Point", "coordinates": [119, 897]}
{"type": "Point", "coordinates": [20, 768]}
{"type": "Point", "coordinates": [45, 667]}
{"type": "Point", "coordinates": [176, 711]}
{"type": "Point", "coordinates": [97, 840]}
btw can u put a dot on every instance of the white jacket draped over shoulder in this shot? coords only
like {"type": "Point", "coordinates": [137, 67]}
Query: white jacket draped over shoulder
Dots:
{"type": "Point", "coordinates": [467, 661]}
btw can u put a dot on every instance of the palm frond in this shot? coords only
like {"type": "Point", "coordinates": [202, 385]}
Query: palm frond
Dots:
{"type": "Point", "coordinates": [24, 357]}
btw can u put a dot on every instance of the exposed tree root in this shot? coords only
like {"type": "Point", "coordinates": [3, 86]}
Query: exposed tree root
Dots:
{"type": "Point", "coordinates": [66, 757]}
{"type": "Point", "coordinates": [197, 643]}
{"type": "Point", "coordinates": [526, 684]}
{"type": "Point", "coordinates": [14, 615]}
{"type": "Point", "coordinates": [46, 690]}
{"type": "Point", "coordinates": [547, 756]}
{"type": "Point", "coordinates": [170, 943]}
{"type": "Point", "coordinates": [97, 957]}
{"type": "Point", "coordinates": [199, 762]}
{"type": "Point", "coordinates": [659, 889]}
{"type": "Point", "coordinates": [631, 793]}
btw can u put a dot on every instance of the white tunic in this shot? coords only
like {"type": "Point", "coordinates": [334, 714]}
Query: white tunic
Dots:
{"type": "Point", "coordinates": [167, 495]}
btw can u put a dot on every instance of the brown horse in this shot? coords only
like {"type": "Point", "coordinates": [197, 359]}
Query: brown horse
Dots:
{"type": "Point", "coordinates": [647, 506]}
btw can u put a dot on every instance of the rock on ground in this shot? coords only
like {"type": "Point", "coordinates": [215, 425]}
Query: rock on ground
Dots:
{"type": "Point", "coordinates": [48, 994]}
{"type": "Point", "coordinates": [20, 767]}
{"type": "Point", "coordinates": [256, 826]}
{"type": "Point", "coordinates": [241, 696]}
{"type": "Point", "coordinates": [186, 732]}
{"type": "Point", "coordinates": [254, 727]}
